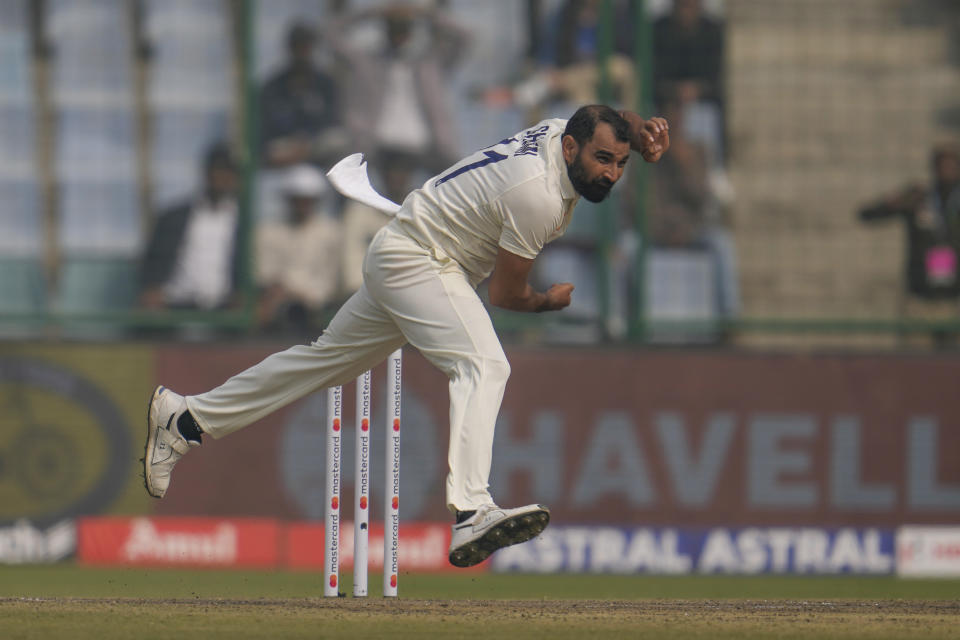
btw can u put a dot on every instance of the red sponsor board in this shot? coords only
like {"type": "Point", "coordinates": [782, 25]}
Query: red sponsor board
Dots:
{"type": "Point", "coordinates": [250, 543]}
{"type": "Point", "coordinates": [423, 547]}
{"type": "Point", "coordinates": [193, 542]}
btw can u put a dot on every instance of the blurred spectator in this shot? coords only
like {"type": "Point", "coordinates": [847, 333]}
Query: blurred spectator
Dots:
{"type": "Point", "coordinates": [396, 103]}
{"type": "Point", "coordinates": [299, 108]}
{"type": "Point", "coordinates": [688, 209]}
{"type": "Point", "coordinates": [192, 259]}
{"type": "Point", "coordinates": [577, 25]}
{"type": "Point", "coordinates": [688, 54]}
{"type": "Point", "coordinates": [931, 214]}
{"type": "Point", "coordinates": [298, 258]}
{"type": "Point", "coordinates": [568, 58]}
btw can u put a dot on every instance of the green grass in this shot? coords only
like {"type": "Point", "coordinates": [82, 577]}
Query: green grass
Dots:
{"type": "Point", "coordinates": [83, 582]}
{"type": "Point", "coordinates": [80, 603]}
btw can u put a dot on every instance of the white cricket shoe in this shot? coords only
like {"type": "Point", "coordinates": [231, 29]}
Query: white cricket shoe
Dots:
{"type": "Point", "coordinates": [164, 446]}
{"type": "Point", "coordinates": [491, 528]}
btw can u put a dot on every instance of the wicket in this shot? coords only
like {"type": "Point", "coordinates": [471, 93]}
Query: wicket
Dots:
{"type": "Point", "coordinates": [361, 519]}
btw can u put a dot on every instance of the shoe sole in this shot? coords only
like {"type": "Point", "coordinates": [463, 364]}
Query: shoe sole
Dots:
{"type": "Point", "coordinates": [513, 530]}
{"type": "Point", "coordinates": [148, 445]}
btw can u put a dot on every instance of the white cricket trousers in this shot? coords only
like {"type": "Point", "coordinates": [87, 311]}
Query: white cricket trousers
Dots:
{"type": "Point", "coordinates": [410, 294]}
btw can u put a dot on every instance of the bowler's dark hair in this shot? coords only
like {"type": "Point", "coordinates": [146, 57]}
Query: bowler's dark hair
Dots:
{"type": "Point", "coordinates": [583, 123]}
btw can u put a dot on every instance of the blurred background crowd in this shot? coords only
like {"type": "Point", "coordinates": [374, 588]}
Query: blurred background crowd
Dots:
{"type": "Point", "coordinates": [162, 161]}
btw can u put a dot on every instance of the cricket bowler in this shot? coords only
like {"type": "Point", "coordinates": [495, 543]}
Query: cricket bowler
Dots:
{"type": "Point", "coordinates": [485, 218]}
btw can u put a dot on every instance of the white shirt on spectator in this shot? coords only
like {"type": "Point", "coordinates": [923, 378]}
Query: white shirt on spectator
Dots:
{"type": "Point", "coordinates": [402, 123]}
{"type": "Point", "coordinates": [203, 274]}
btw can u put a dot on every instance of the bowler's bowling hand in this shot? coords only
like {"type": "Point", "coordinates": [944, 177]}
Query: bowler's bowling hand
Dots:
{"type": "Point", "coordinates": [558, 296]}
{"type": "Point", "coordinates": [650, 138]}
{"type": "Point", "coordinates": [657, 139]}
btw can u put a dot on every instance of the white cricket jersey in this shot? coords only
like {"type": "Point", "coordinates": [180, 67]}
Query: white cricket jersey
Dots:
{"type": "Point", "coordinates": [514, 194]}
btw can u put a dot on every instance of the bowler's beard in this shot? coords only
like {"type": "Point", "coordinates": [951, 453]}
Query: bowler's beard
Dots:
{"type": "Point", "coordinates": [593, 190]}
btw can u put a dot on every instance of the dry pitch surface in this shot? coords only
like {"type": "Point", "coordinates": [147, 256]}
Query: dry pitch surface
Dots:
{"type": "Point", "coordinates": [79, 618]}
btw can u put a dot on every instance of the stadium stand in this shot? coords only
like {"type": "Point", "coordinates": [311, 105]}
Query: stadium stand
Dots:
{"type": "Point", "coordinates": [95, 157]}
{"type": "Point", "coordinates": [830, 103]}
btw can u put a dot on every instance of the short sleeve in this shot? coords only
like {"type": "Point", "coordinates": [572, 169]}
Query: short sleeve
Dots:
{"type": "Point", "coordinates": [530, 218]}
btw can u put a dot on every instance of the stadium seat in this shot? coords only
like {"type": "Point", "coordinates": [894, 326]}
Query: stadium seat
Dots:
{"type": "Point", "coordinates": [89, 68]}
{"type": "Point", "coordinates": [191, 63]}
{"type": "Point", "coordinates": [15, 72]}
{"type": "Point", "coordinates": [18, 133]}
{"type": "Point", "coordinates": [22, 285]}
{"type": "Point", "coordinates": [190, 90]}
{"type": "Point", "coordinates": [21, 224]}
{"type": "Point", "coordinates": [96, 283]}
{"type": "Point", "coordinates": [680, 286]}
{"type": "Point", "coordinates": [95, 143]}
{"type": "Point", "coordinates": [98, 216]}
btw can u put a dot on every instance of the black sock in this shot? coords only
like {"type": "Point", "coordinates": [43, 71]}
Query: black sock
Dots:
{"type": "Point", "coordinates": [464, 515]}
{"type": "Point", "coordinates": [188, 428]}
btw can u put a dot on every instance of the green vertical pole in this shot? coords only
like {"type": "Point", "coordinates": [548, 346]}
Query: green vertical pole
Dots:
{"type": "Point", "coordinates": [643, 67]}
{"type": "Point", "coordinates": [248, 154]}
{"type": "Point", "coordinates": [605, 211]}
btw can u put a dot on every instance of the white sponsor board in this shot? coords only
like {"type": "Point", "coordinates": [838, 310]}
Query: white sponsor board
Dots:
{"type": "Point", "coordinates": [24, 543]}
{"type": "Point", "coordinates": [928, 552]}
